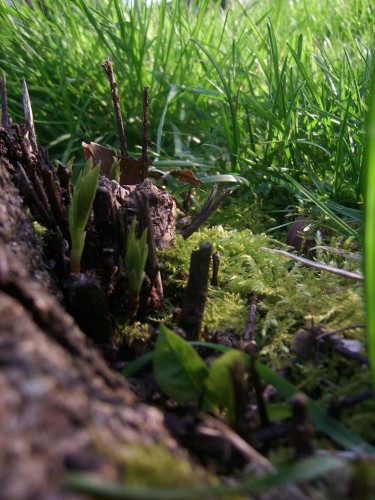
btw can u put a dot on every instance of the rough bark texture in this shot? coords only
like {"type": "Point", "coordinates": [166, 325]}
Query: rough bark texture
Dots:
{"type": "Point", "coordinates": [62, 408]}
{"type": "Point", "coordinates": [196, 292]}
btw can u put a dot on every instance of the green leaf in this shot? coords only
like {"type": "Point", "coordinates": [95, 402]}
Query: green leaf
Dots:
{"type": "Point", "coordinates": [219, 383]}
{"type": "Point", "coordinates": [79, 211]}
{"type": "Point", "coordinates": [279, 411]}
{"type": "Point", "coordinates": [334, 429]}
{"type": "Point", "coordinates": [369, 188]}
{"type": "Point", "coordinates": [136, 257]}
{"type": "Point", "coordinates": [179, 370]}
{"type": "Point", "coordinates": [115, 171]}
{"type": "Point", "coordinates": [83, 196]}
{"type": "Point", "coordinates": [237, 179]}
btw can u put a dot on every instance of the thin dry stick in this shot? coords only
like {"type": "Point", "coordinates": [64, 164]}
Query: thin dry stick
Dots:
{"type": "Point", "coordinates": [108, 68]}
{"type": "Point", "coordinates": [249, 332]}
{"type": "Point", "coordinates": [209, 207]}
{"type": "Point", "coordinates": [326, 333]}
{"type": "Point", "coordinates": [29, 117]}
{"type": "Point", "coordinates": [144, 134]}
{"type": "Point", "coordinates": [338, 251]}
{"type": "Point", "coordinates": [317, 265]}
{"type": "Point", "coordinates": [251, 350]}
{"type": "Point", "coordinates": [152, 266]}
{"type": "Point", "coordinates": [5, 118]}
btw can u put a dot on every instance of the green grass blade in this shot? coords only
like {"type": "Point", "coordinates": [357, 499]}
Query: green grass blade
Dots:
{"type": "Point", "coordinates": [305, 74]}
{"type": "Point", "coordinates": [323, 207]}
{"type": "Point", "coordinates": [231, 104]}
{"type": "Point", "coordinates": [370, 231]}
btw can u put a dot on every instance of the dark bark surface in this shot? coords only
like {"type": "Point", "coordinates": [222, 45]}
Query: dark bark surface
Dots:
{"type": "Point", "coordinates": [62, 408]}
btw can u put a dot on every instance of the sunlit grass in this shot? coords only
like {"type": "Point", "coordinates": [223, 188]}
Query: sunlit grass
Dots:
{"type": "Point", "coordinates": [296, 80]}
{"type": "Point", "coordinates": [369, 190]}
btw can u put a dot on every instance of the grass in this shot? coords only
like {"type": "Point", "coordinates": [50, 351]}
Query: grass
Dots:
{"type": "Point", "coordinates": [282, 85]}
{"type": "Point", "coordinates": [370, 230]}
{"type": "Point", "coordinates": [274, 94]}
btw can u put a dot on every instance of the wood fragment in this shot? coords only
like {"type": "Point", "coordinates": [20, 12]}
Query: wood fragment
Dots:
{"type": "Point", "coordinates": [258, 464]}
{"type": "Point", "coordinates": [29, 117]}
{"type": "Point", "coordinates": [196, 292]}
{"type": "Point", "coordinates": [301, 429]}
{"type": "Point", "coordinates": [317, 265]}
{"type": "Point", "coordinates": [215, 268]}
{"type": "Point", "coordinates": [152, 264]}
{"type": "Point", "coordinates": [209, 208]}
{"type": "Point", "coordinates": [108, 68]}
{"type": "Point", "coordinates": [144, 159]}
{"type": "Point", "coordinates": [249, 332]}
{"type": "Point", "coordinates": [6, 120]}
{"type": "Point", "coordinates": [254, 380]}
{"type": "Point", "coordinates": [240, 386]}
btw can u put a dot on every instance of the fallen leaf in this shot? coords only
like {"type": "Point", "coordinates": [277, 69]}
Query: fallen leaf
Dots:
{"type": "Point", "coordinates": [131, 168]}
{"type": "Point", "coordinates": [186, 176]}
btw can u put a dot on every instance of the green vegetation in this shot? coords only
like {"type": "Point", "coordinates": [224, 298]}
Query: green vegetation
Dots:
{"type": "Point", "coordinates": [261, 89]}
{"type": "Point", "coordinates": [370, 230]}
{"type": "Point", "coordinates": [135, 261]}
{"type": "Point", "coordinates": [79, 211]}
{"type": "Point", "coordinates": [270, 96]}
{"type": "Point", "coordinates": [182, 374]}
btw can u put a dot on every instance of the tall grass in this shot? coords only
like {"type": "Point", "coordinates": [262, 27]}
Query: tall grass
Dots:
{"type": "Point", "coordinates": [267, 87]}
{"type": "Point", "coordinates": [369, 189]}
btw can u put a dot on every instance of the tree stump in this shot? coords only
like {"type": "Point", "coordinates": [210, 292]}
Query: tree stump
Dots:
{"type": "Point", "coordinates": [62, 408]}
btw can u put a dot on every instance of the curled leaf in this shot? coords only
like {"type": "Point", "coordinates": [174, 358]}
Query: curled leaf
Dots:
{"type": "Point", "coordinates": [130, 168]}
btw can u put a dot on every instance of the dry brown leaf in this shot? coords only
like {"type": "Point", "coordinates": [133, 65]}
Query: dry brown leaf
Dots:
{"type": "Point", "coordinates": [182, 175]}
{"type": "Point", "coordinates": [185, 176]}
{"type": "Point", "coordinates": [131, 168]}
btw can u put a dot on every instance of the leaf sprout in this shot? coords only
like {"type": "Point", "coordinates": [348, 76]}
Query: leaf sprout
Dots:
{"type": "Point", "coordinates": [79, 211]}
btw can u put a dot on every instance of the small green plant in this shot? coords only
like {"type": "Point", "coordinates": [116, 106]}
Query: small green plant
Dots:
{"type": "Point", "coordinates": [115, 171]}
{"type": "Point", "coordinates": [178, 368]}
{"type": "Point", "coordinates": [183, 375]}
{"type": "Point", "coordinates": [79, 211]}
{"type": "Point", "coordinates": [135, 261]}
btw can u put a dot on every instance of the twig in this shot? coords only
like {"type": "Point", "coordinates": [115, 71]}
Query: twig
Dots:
{"type": "Point", "coordinates": [29, 117]}
{"type": "Point", "coordinates": [317, 265]}
{"type": "Point", "coordinates": [301, 429]}
{"type": "Point", "coordinates": [251, 350]}
{"type": "Point", "coordinates": [108, 68]}
{"type": "Point", "coordinates": [249, 332]}
{"type": "Point", "coordinates": [340, 404]}
{"type": "Point", "coordinates": [196, 292]}
{"type": "Point", "coordinates": [326, 333]}
{"type": "Point", "coordinates": [144, 134]}
{"type": "Point", "coordinates": [338, 251]}
{"type": "Point", "coordinates": [215, 268]}
{"type": "Point", "coordinates": [152, 266]}
{"type": "Point", "coordinates": [6, 120]}
{"type": "Point", "coordinates": [210, 206]}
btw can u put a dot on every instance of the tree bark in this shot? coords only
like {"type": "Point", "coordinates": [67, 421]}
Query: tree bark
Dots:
{"type": "Point", "coordinates": [62, 408]}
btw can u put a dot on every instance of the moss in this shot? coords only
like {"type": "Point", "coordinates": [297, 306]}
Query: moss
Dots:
{"type": "Point", "coordinates": [39, 228]}
{"type": "Point", "coordinates": [130, 333]}
{"type": "Point", "coordinates": [156, 466]}
{"type": "Point", "coordinates": [289, 293]}
{"type": "Point", "coordinates": [290, 297]}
